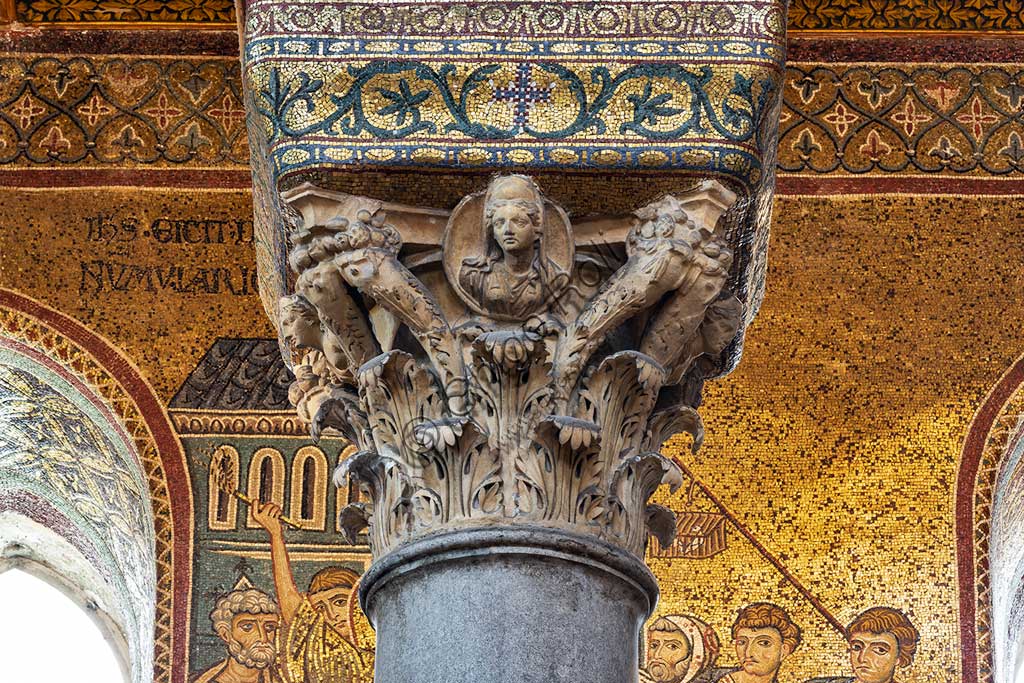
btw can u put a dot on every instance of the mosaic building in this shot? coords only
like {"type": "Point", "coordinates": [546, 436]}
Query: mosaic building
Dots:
{"type": "Point", "coordinates": [178, 177]}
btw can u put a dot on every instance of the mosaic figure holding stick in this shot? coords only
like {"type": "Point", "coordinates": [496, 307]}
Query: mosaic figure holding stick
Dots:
{"type": "Point", "coordinates": [317, 640]}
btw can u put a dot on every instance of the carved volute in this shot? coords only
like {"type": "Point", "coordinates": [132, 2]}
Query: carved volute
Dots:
{"type": "Point", "coordinates": [491, 368]}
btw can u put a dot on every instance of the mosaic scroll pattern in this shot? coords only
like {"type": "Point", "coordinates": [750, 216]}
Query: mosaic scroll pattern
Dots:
{"type": "Point", "coordinates": [379, 84]}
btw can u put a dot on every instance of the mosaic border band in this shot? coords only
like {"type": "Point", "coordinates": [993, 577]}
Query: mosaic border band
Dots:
{"type": "Point", "coordinates": [838, 16]}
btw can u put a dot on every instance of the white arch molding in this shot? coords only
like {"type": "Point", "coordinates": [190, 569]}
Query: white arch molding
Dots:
{"type": "Point", "coordinates": [39, 619]}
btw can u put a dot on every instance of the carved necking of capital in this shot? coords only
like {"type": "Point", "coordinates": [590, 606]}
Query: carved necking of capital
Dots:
{"type": "Point", "coordinates": [497, 364]}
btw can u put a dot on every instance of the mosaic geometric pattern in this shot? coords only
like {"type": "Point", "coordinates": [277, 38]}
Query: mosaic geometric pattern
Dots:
{"type": "Point", "coordinates": [863, 119]}
{"type": "Point", "coordinates": [124, 11]}
{"type": "Point", "coordinates": [915, 15]}
{"type": "Point", "coordinates": [34, 333]}
{"type": "Point", "coordinates": [806, 15]}
{"type": "Point", "coordinates": [902, 119]}
{"type": "Point", "coordinates": [128, 111]}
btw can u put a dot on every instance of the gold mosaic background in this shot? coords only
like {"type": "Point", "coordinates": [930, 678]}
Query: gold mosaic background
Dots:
{"type": "Point", "coordinates": [836, 440]}
{"type": "Point", "coordinates": [159, 273]}
{"type": "Point", "coordinates": [834, 443]}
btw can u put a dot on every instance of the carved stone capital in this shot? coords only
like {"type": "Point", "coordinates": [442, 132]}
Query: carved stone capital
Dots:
{"type": "Point", "coordinates": [494, 370]}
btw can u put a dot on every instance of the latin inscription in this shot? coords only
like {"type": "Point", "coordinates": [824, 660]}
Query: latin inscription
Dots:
{"type": "Point", "coordinates": [123, 271]}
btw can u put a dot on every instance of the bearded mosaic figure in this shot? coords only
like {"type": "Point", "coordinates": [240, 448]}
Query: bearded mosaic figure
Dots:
{"type": "Point", "coordinates": [680, 649]}
{"type": "Point", "coordinates": [247, 621]}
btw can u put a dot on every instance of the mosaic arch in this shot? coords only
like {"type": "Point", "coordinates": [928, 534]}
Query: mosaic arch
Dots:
{"type": "Point", "coordinates": [94, 368]}
{"type": "Point", "coordinates": [67, 464]}
{"type": "Point", "coordinates": [990, 439]}
{"type": "Point", "coordinates": [1006, 553]}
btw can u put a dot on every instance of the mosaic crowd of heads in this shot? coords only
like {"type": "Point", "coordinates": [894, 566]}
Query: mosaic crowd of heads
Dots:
{"type": "Point", "coordinates": [685, 649]}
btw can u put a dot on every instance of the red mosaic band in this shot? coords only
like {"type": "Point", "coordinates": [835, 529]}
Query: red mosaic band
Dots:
{"type": "Point", "coordinates": [974, 446]}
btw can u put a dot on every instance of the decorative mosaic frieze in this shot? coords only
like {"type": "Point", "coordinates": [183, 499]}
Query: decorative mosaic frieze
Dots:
{"type": "Point", "coordinates": [684, 86]}
{"type": "Point", "coordinates": [121, 111]}
{"type": "Point", "coordinates": [803, 15]}
{"type": "Point", "coordinates": [126, 11]}
{"type": "Point", "coordinates": [865, 119]}
{"type": "Point", "coordinates": [921, 119]}
{"type": "Point", "coordinates": [920, 15]}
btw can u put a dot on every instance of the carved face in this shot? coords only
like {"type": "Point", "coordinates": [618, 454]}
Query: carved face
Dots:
{"type": "Point", "coordinates": [668, 655]}
{"type": "Point", "coordinates": [298, 329]}
{"type": "Point", "coordinates": [512, 227]}
{"type": "Point", "coordinates": [333, 604]}
{"type": "Point", "coordinates": [760, 651]}
{"type": "Point", "coordinates": [319, 285]}
{"type": "Point", "coordinates": [873, 656]}
{"type": "Point", "coordinates": [251, 639]}
{"type": "Point", "coordinates": [357, 268]}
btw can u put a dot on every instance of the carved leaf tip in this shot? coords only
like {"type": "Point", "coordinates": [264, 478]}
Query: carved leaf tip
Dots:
{"type": "Point", "coordinates": [562, 429]}
{"type": "Point", "coordinates": [352, 519]}
{"type": "Point", "coordinates": [355, 465]}
{"type": "Point", "coordinates": [670, 421]}
{"type": "Point", "coordinates": [661, 523]}
{"type": "Point", "coordinates": [439, 434]}
{"type": "Point", "coordinates": [673, 475]}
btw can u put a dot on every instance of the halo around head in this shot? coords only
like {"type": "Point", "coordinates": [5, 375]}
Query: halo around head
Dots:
{"type": "Point", "coordinates": [466, 237]}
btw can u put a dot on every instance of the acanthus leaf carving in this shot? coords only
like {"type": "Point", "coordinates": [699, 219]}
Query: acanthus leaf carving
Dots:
{"type": "Point", "coordinates": [483, 379]}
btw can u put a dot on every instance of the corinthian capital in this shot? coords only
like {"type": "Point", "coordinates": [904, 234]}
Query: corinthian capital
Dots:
{"type": "Point", "coordinates": [495, 366]}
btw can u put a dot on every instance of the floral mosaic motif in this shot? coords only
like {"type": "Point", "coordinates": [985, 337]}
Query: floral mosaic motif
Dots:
{"type": "Point", "coordinates": [665, 102]}
{"type": "Point", "coordinates": [174, 11]}
{"type": "Point", "coordinates": [123, 111]}
{"type": "Point", "coordinates": [912, 15]}
{"type": "Point", "coordinates": [812, 15]}
{"type": "Point", "coordinates": [887, 119]}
